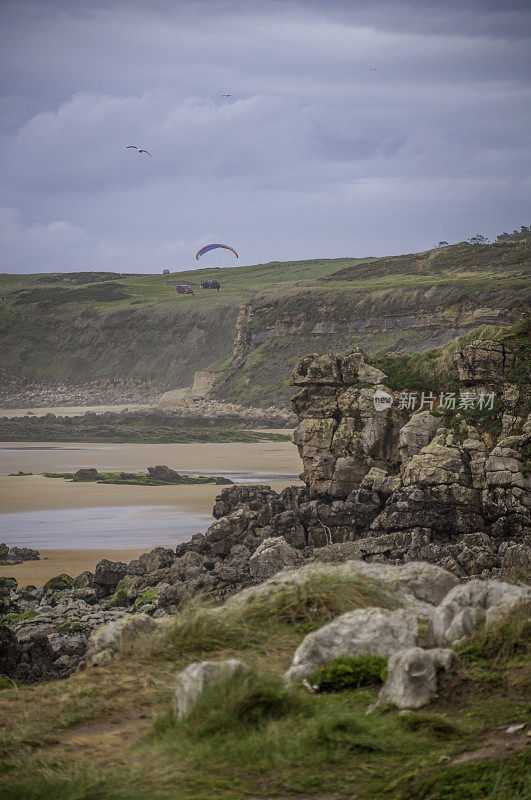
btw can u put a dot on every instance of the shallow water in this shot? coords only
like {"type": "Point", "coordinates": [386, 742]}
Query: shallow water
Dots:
{"type": "Point", "coordinates": [120, 527]}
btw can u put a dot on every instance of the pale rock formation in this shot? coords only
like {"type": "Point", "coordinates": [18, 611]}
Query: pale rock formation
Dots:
{"type": "Point", "coordinates": [465, 605]}
{"type": "Point", "coordinates": [366, 631]}
{"type": "Point", "coordinates": [412, 676]}
{"type": "Point", "coordinates": [273, 555]}
{"type": "Point", "coordinates": [192, 681]}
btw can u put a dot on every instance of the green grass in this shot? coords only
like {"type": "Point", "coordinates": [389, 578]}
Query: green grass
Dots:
{"type": "Point", "coordinates": [201, 628]}
{"type": "Point", "coordinates": [122, 326]}
{"type": "Point", "coordinates": [133, 427]}
{"type": "Point", "coordinates": [252, 735]}
{"type": "Point", "coordinates": [349, 673]}
{"type": "Point", "coordinates": [501, 643]}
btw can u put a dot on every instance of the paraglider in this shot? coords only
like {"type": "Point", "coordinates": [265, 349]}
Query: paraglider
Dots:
{"type": "Point", "coordinates": [208, 247]}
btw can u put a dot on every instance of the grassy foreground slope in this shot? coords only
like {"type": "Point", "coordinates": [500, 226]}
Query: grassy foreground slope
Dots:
{"type": "Point", "coordinates": [104, 325]}
{"type": "Point", "coordinates": [108, 734]}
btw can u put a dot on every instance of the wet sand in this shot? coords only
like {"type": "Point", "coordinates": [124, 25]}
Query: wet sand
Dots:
{"type": "Point", "coordinates": [37, 493]}
{"type": "Point", "coordinates": [55, 562]}
{"type": "Point", "coordinates": [27, 495]}
{"type": "Point", "coordinates": [258, 457]}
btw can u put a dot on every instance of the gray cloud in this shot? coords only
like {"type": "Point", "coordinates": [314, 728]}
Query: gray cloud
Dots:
{"type": "Point", "coordinates": [351, 131]}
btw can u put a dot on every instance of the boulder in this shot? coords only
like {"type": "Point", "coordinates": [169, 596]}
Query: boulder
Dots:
{"type": "Point", "coordinates": [273, 555]}
{"type": "Point", "coordinates": [412, 676]}
{"type": "Point", "coordinates": [191, 682]}
{"type": "Point", "coordinates": [120, 637]}
{"type": "Point", "coordinates": [58, 584]}
{"type": "Point", "coordinates": [159, 558]}
{"type": "Point", "coordinates": [109, 573]}
{"type": "Point", "coordinates": [457, 615]}
{"type": "Point", "coordinates": [366, 631]}
{"type": "Point", "coordinates": [87, 474]}
{"type": "Point", "coordinates": [164, 473]}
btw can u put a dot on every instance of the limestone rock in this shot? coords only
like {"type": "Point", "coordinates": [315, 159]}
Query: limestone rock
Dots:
{"type": "Point", "coordinates": [164, 473]}
{"type": "Point", "coordinates": [516, 563]}
{"type": "Point", "coordinates": [191, 682]}
{"type": "Point", "coordinates": [87, 474]}
{"type": "Point", "coordinates": [412, 676]}
{"type": "Point", "coordinates": [457, 615]}
{"type": "Point", "coordinates": [273, 555]}
{"type": "Point", "coordinates": [317, 368]}
{"type": "Point", "coordinates": [120, 637]}
{"type": "Point", "coordinates": [367, 631]}
{"type": "Point", "coordinates": [484, 362]}
{"type": "Point", "coordinates": [416, 434]}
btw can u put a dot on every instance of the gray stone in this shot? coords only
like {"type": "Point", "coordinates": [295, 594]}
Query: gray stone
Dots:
{"type": "Point", "coordinates": [191, 682]}
{"type": "Point", "coordinates": [457, 615]}
{"type": "Point", "coordinates": [367, 631]}
{"type": "Point", "coordinates": [118, 638]}
{"type": "Point", "coordinates": [412, 676]}
{"type": "Point", "coordinates": [273, 555]}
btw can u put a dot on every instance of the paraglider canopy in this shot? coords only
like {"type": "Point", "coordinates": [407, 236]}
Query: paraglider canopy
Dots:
{"type": "Point", "coordinates": [208, 247]}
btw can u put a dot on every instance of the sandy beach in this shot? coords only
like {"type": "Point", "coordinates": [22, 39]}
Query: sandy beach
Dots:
{"type": "Point", "coordinates": [257, 457]}
{"type": "Point", "coordinates": [37, 493]}
{"type": "Point", "coordinates": [71, 562]}
{"type": "Point", "coordinates": [98, 521]}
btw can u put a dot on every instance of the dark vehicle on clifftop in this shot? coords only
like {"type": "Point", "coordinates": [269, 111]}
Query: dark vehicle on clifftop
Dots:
{"type": "Point", "coordinates": [211, 284]}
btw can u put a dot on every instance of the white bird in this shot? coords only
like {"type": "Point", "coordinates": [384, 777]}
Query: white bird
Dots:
{"type": "Point", "coordinates": [226, 95]}
{"type": "Point", "coordinates": [140, 150]}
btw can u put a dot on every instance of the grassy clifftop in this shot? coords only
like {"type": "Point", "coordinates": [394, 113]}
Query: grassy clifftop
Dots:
{"type": "Point", "coordinates": [86, 326]}
{"type": "Point", "coordinates": [90, 737]}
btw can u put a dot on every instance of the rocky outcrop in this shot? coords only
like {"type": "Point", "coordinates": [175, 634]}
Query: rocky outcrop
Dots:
{"type": "Point", "coordinates": [203, 383]}
{"type": "Point", "coordinates": [464, 606]}
{"type": "Point", "coordinates": [243, 338]}
{"type": "Point", "coordinates": [484, 363]}
{"type": "Point", "coordinates": [16, 555]}
{"type": "Point", "coordinates": [366, 631]}
{"type": "Point", "coordinates": [384, 489]}
{"type": "Point", "coordinates": [342, 433]}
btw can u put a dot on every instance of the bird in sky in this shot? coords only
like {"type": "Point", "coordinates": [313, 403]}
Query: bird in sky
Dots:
{"type": "Point", "coordinates": [226, 95]}
{"type": "Point", "coordinates": [372, 69]}
{"type": "Point", "coordinates": [140, 150]}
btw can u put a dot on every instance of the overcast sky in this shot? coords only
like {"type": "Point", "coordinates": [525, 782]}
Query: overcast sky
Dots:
{"type": "Point", "coordinates": [353, 129]}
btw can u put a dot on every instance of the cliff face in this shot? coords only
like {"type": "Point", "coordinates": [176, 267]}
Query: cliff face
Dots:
{"type": "Point", "coordinates": [62, 329]}
{"type": "Point", "coordinates": [343, 432]}
{"type": "Point", "coordinates": [429, 490]}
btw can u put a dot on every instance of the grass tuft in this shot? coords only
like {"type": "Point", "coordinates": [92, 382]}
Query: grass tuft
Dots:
{"type": "Point", "coordinates": [501, 642]}
{"type": "Point", "coordinates": [350, 673]}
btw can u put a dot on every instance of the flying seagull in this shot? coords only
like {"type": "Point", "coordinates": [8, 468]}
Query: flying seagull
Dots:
{"type": "Point", "coordinates": [134, 147]}
{"type": "Point", "coordinates": [226, 95]}
{"type": "Point", "coordinates": [372, 69]}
